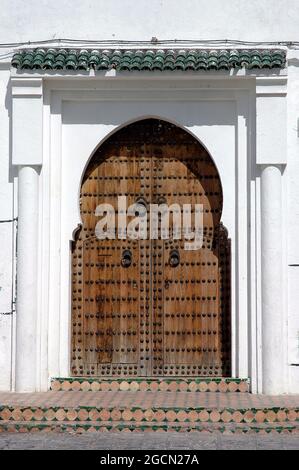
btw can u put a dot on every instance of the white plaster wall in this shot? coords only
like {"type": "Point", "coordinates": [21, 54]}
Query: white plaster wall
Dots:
{"type": "Point", "coordinates": [292, 220]}
{"type": "Point", "coordinates": [6, 237]}
{"type": "Point", "coordinates": [255, 20]}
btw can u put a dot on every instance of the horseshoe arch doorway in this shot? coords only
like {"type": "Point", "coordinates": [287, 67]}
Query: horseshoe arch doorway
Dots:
{"type": "Point", "coordinates": [150, 308]}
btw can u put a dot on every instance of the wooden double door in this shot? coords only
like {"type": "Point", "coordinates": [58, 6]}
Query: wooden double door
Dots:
{"type": "Point", "coordinates": [150, 307]}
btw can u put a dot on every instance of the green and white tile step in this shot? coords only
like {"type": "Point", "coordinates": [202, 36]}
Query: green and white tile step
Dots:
{"type": "Point", "coordinates": [143, 384]}
{"type": "Point", "coordinates": [137, 427]}
{"type": "Point", "coordinates": [151, 414]}
{"type": "Point", "coordinates": [140, 411]}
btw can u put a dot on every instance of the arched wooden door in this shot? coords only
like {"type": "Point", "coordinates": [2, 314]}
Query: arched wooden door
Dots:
{"type": "Point", "coordinates": [167, 312]}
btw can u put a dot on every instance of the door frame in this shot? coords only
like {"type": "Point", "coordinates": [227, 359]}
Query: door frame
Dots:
{"type": "Point", "coordinates": [65, 144]}
{"type": "Point", "coordinates": [238, 100]}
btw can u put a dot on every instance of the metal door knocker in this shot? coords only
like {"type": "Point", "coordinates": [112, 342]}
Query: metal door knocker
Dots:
{"type": "Point", "coordinates": [126, 259]}
{"type": "Point", "coordinates": [174, 258]}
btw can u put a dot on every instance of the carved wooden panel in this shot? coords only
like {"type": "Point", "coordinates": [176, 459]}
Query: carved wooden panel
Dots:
{"type": "Point", "coordinates": [166, 311]}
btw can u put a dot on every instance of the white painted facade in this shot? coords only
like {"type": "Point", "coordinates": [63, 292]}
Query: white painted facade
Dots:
{"type": "Point", "coordinates": [51, 123]}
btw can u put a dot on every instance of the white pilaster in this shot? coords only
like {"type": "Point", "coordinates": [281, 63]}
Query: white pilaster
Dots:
{"type": "Point", "coordinates": [271, 266]}
{"type": "Point", "coordinates": [27, 279]}
{"type": "Point", "coordinates": [271, 156]}
{"type": "Point", "coordinates": [27, 130]}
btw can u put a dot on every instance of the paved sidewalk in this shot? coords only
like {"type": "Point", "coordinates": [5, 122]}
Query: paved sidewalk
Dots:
{"type": "Point", "coordinates": [148, 441]}
{"type": "Point", "coordinates": [149, 399]}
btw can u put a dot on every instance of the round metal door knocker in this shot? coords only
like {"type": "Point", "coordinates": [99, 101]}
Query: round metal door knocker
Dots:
{"type": "Point", "coordinates": [174, 258]}
{"type": "Point", "coordinates": [126, 259]}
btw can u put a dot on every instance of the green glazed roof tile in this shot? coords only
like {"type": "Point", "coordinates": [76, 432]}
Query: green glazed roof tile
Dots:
{"type": "Point", "coordinates": [144, 60]}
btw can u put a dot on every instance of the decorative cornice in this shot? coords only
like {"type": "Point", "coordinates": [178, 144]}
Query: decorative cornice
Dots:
{"type": "Point", "coordinates": [148, 60]}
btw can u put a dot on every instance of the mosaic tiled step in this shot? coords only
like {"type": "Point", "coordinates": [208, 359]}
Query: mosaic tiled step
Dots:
{"type": "Point", "coordinates": [128, 426]}
{"type": "Point", "coordinates": [148, 415]}
{"type": "Point", "coordinates": [172, 385]}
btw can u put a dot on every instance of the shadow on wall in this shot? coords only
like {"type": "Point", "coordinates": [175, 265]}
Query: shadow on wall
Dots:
{"type": "Point", "coordinates": [12, 171]}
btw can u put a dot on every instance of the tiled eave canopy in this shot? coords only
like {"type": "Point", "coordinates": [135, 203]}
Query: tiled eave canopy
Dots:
{"type": "Point", "coordinates": [148, 60]}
